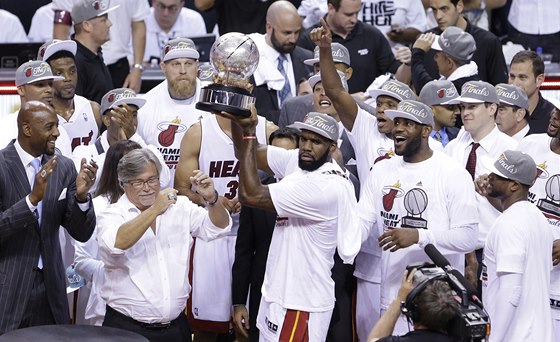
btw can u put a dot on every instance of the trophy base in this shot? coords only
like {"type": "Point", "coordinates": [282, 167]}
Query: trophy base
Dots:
{"type": "Point", "coordinates": [221, 98]}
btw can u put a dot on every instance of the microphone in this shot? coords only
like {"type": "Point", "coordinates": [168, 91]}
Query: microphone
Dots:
{"type": "Point", "coordinates": [442, 262]}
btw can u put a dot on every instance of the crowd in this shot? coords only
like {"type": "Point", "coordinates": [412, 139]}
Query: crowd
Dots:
{"type": "Point", "coordinates": [372, 136]}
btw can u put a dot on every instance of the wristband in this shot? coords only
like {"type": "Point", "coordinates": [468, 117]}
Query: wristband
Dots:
{"type": "Point", "coordinates": [88, 197]}
{"type": "Point", "coordinates": [249, 137]}
{"type": "Point", "coordinates": [208, 203]}
{"type": "Point", "coordinates": [62, 17]}
{"type": "Point", "coordinates": [139, 67]}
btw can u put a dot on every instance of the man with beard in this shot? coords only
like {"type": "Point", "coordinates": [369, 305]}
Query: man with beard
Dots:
{"type": "Point", "coordinates": [79, 116]}
{"type": "Point", "coordinates": [419, 197]}
{"type": "Point", "coordinates": [281, 63]}
{"type": "Point", "coordinates": [372, 140]}
{"type": "Point", "coordinates": [517, 261]}
{"type": "Point", "coordinates": [315, 206]}
{"type": "Point", "coordinates": [170, 106]}
{"type": "Point", "coordinates": [39, 193]}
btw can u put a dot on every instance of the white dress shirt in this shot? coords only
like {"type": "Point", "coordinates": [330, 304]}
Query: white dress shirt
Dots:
{"type": "Point", "coordinates": [149, 281]}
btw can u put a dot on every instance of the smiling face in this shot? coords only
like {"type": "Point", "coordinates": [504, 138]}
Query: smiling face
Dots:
{"type": "Point", "coordinates": [38, 131]}
{"type": "Point", "coordinates": [143, 196]}
{"type": "Point", "coordinates": [407, 135]}
{"type": "Point", "coordinates": [384, 124]}
{"type": "Point", "coordinates": [553, 130]}
{"type": "Point", "coordinates": [321, 103]}
{"type": "Point", "coordinates": [478, 118]}
{"type": "Point", "coordinates": [314, 150]}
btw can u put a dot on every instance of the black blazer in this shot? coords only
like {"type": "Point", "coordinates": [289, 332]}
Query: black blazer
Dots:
{"type": "Point", "coordinates": [22, 240]}
{"type": "Point", "coordinates": [267, 99]}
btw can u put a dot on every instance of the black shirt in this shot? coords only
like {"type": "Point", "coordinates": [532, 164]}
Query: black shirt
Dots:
{"type": "Point", "coordinates": [370, 54]}
{"type": "Point", "coordinates": [94, 79]}
{"type": "Point", "coordinates": [419, 336]}
{"type": "Point", "coordinates": [488, 56]}
{"type": "Point", "coordinates": [540, 117]}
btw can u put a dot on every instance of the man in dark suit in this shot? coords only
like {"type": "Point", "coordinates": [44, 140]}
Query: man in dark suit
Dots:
{"type": "Point", "coordinates": [32, 278]}
{"type": "Point", "coordinates": [281, 61]}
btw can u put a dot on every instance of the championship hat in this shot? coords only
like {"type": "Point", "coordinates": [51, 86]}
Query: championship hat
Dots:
{"type": "Point", "coordinates": [512, 95]}
{"type": "Point", "coordinates": [456, 43]}
{"type": "Point", "coordinates": [179, 48]}
{"type": "Point", "coordinates": [478, 92]}
{"type": "Point", "coordinates": [514, 165]}
{"type": "Point", "coordinates": [395, 89]}
{"type": "Point", "coordinates": [119, 96]}
{"type": "Point", "coordinates": [89, 9]}
{"type": "Point", "coordinates": [439, 92]}
{"type": "Point", "coordinates": [34, 71]}
{"type": "Point", "coordinates": [319, 123]}
{"type": "Point", "coordinates": [313, 80]}
{"type": "Point", "coordinates": [412, 110]}
{"type": "Point", "coordinates": [340, 54]}
{"type": "Point", "coordinates": [53, 46]}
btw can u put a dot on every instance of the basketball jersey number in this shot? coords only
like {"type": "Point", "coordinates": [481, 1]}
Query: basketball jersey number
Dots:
{"type": "Point", "coordinates": [232, 186]}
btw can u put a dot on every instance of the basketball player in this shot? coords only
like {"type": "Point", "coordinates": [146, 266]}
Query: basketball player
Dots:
{"type": "Point", "coordinates": [207, 146]}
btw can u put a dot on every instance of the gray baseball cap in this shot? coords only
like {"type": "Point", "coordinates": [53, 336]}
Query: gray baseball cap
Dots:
{"type": "Point", "coordinates": [179, 48]}
{"type": "Point", "coordinates": [119, 96]}
{"type": "Point", "coordinates": [512, 95]}
{"type": "Point", "coordinates": [319, 123]}
{"type": "Point", "coordinates": [53, 46]}
{"type": "Point", "coordinates": [439, 92]}
{"type": "Point", "coordinates": [412, 110]}
{"type": "Point", "coordinates": [313, 80]}
{"type": "Point", "coordinates": [340, 54]}
{"type": "Point", "coordinates": [456, 43]}
{"type": "Point", "coordinates": [395, 89]}
{"type": "Point", "coordinates": [89, 9]}
{"type": "Point", "coordinates": [34, 71]}
{"type": "Point", "coordinates": [514, 165]}
{"type": "Point", "coordinates": [478, 92]}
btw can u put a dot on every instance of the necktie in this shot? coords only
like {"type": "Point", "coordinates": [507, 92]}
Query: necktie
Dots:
{"type": "Point", "coordinates": [286, 91]}
{"type": "Point", "coordinates": [471, 161]}
{"type": "Point", "coordinates": [437, 135]}
{"type": "Point", "coordinates": [36, 164]}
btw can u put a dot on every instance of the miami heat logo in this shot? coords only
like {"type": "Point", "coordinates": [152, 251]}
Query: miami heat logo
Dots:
{"type": "Point", "coordinates": [541, 171]}
{"type": "Point", "coordinates": [383, 154]}
{"type": "Point", "coordinates": [391, 192]}
{"type": "Point", "coordinates": [168, 130]}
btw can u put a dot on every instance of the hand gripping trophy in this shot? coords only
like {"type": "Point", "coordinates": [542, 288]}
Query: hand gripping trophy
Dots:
{"type": "Point", "coordinates": [234, 57]}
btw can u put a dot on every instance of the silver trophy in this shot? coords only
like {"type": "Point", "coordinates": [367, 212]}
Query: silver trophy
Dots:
{"type": "Point", "coordinates": [234, 57]}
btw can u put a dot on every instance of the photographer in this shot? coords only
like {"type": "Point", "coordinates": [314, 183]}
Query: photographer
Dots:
{"type": "Point", "coordinates": [430, 309]}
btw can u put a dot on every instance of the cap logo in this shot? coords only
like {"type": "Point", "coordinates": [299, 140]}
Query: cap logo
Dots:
{"type": "Point", "coordinates": [37, 71]}
{"type": "Point", "coordinates": [42, 51]}
{"type": "Point", "coordinates": [125, 95]}
{"type": "Point", "coordinates": [444, 41]}
{"type": "Point", "coordinates": [411, 109]}
{"type": "Point", "coordinates": [319, 122]}
{"type": "Point", "coordinates": [474, 89]}
{"type": "Point", "coordinates": [396, 88]}
{"type": "Point", "coordinates": [99, 5]}
{"type": "Point", "coordinates": [338, 53]}
{"type": "Point", "coordinates": [111, 97]}
{"type": "Point", "coordinates": [502, 161]}
{"type": "Point", "coordinates": [509, 95]}
{"type": "Point", "coordinates": [446, 92]}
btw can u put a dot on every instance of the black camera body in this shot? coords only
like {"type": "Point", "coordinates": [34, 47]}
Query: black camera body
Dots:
{"type": "Point", "coordinates": [472, 323]}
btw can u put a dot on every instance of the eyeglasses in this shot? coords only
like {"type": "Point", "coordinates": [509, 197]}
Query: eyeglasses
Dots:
{"type": "Point", "coordinates": [138, 184]}
{"type": "Point", "coordinates": [173, 8]}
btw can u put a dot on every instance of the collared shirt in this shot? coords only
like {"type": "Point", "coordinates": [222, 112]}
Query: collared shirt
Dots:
{"type": "Point", "coordinates": [268, 52]}
{"type": "Point", "coordinates": [94, 79]}
{"type": "Point", "coordinates": [535, 16]}
{"type": "Point", "coordinates": [149, 281]}
{"type": "Point", "coordinates": [492, 145]}
{"type": "Point", "coordinates": [443, 134]}
{"type": "Point", "coordinates": [521, 134]}
{"type": "Point", "coordinates": [540, 117]}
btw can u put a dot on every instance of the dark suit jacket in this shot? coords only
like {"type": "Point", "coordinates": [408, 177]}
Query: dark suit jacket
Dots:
{"type": "Point", "coordinates": [22, 240]}
{"type": "Point", "coordinates": [267, 99]}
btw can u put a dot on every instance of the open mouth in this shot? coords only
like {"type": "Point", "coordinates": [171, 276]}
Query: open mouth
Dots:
{"type": "Point", "coordinates": [325, 103]}
{"type": "Point", "coordinates": [399, 140]}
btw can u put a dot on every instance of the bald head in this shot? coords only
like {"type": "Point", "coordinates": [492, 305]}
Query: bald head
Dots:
{"type": "Point", "coordinates": [283, 25]}
{"type": "Point", "coordinates": [37, 128]}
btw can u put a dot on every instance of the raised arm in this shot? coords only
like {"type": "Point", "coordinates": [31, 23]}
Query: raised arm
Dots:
{"type": "Point", "coordinates": [188, 162]}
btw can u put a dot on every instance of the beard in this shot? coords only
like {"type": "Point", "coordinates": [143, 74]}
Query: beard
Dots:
{"type": "Point", "coordinates": [286, 48]}
{"type": "Point", "coordinates": [313, 165]}
{"type": "Point", "coordinates": [181, 90]}
{"type": "Point", "coordinates": [411, 148]}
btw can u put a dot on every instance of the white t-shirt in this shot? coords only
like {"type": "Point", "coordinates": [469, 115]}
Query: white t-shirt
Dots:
{"type": "Point", "coordinates": [436, 196]}
{"type": "Point", "coordinates": [120, 44]}
{"type": "Point", "coordinates": [535, 16]}
{"type": "Point", "coordinates": [81, 127]}
{"type": "Point", "coordinates": [520, 241]}
{"type": "Point", "coordinates": [313, 207]}
{"type": "Point", "coordinates": [163, 121]}
{"type": "Point", "coordinates": [189, 24]}
{"type": "Point", "coordinates": [41, 29]}
{"type": "Point", "coordinates": [544, 194]}
{"type": "Point", "coordinates": [492, 145]}
{"type": "Point", "coordinates": [12, 30]}
{"type": "Point", "coordinates": [149, 281]}
{"type": "Point", "coordinates": [384, 13]}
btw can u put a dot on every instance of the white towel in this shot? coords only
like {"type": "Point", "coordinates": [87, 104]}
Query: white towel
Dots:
{"type": "Point", "coordinates": [267, 71]}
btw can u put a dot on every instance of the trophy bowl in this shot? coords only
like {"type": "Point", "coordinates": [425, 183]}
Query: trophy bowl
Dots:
{"type": "Point", "coordinates": [234, 58]}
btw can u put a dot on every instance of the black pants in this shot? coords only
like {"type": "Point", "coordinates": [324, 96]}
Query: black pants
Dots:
{"type": "Point", "coordinates": [38, 310]}
{"type": "Point", "coordinates": [119, 70]}
{"type": "Point", "coordinates": [550, 43]}
{"type": "Point", "coordinates": [178, 330]}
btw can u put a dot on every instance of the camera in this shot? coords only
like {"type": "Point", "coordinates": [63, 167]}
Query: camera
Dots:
{"type": "Point", "coordinates": [472, 322]}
